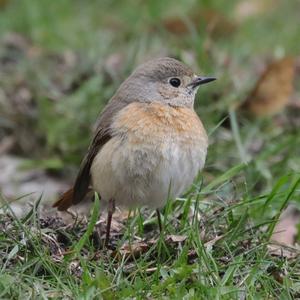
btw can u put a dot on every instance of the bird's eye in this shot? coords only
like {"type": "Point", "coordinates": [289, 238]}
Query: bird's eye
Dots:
{"type": "Point", "coordinates": [175, 82]}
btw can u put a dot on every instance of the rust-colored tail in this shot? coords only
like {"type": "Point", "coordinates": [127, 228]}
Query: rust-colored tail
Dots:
{"type": "Point", "coordinates": [65, 201]}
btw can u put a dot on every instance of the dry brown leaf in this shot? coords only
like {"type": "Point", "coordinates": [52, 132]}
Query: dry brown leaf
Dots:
{"type": "Point", "coordinates": [151, 270]}
{"type": "Point", "coordinates": [116, 226]}
{"type": "Point", "coordinates": [283, 251]}
{"type": "Point", "coordinates": [215, 23]}
{"type": "Point", "coordinates": [121, 215]}
{"type": "Point", "coordinates": [176, 25]}
{"type": "Point", "coordinates": [212, 242]}
{"type": "Point", "coordinates": [285, 231]}
{"type": "Point", "coordinates": [273, 90]}
{"type": "Point", "coordinates": [135, 249]}
{"type": "Point", "coordinates": [3, 3]}
{"type": "Point", "coordinates": [176, 238]}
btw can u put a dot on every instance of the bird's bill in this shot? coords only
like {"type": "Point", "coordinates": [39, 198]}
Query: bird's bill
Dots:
{"type": "Point", "coordinates": [201, 80]}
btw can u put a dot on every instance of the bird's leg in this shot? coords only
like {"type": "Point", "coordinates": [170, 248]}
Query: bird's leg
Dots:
{"type": "Point", "coordinates": [110, 210]}
{"type": "Point", "coordinates": [159, 220]}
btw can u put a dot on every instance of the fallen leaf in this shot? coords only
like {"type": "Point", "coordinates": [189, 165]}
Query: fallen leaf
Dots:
{"type": "Point", "coordinates": [117, 223]}
{"type": "Point", "coordinates": [215, 23]}
{"type": "Point", "coordinates": [176, 25]}
{"type": "Point", "coordinates": [218, 25]}
{"type": "Point", "coordinates": [283, 251]}
{"type": "Point", "coordinates": [151, 270]}
{"type": "Point", "coordinates": [273, 90]}
{"type": "Point", "coordinates": [212, 242]}
{"type": "Point", "coordinates": [3, 3]}
{"type": "Point", "coordinates": [121, 215]}
{"type": "Point", "coordinates": [176, 238]}
{"type": "Point", "coordinates": [285, 231]}
{"type": "Point", "coordinates": [134, 249]}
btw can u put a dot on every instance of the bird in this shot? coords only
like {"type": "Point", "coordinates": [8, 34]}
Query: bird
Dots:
{"type": "Point", "coordinates": [149, 143]}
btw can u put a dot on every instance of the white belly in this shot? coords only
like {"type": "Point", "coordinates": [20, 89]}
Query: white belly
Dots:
{"type": "Point", "coordinates": [137, 175]}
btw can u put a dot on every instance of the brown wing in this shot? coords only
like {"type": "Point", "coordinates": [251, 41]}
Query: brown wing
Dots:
{"type": "Point", "coordinates": [101, 136]}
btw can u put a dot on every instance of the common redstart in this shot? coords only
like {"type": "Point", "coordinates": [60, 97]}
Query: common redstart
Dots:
{"type": "Point", "coordinates": [149, 143]}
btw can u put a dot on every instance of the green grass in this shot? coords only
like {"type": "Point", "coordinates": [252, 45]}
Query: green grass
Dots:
{"type": "Point", "coordinates": [227, 217]}
{"type": "Point", "coordinates": [224, 255]}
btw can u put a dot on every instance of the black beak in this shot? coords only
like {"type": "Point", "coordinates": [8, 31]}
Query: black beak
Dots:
{"type": "Point", "coordinates": [201, 80]}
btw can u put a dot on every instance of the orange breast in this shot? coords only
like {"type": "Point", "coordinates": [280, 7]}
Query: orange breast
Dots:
{"type": "Point", "coordinates": [154, 121]}
{"type": "Point", "coordinates": [155, 152]}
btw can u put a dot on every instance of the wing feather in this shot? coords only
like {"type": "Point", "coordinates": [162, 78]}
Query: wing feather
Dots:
{"type": "Point", "coordinates": [101, 136]}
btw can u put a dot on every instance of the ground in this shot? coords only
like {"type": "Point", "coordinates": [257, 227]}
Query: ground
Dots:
{"type": "Point", "coordinates": [60, 62]}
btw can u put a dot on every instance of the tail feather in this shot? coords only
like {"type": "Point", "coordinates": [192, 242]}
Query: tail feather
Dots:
{"type": "Point", "coordinates": [65, 201]}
